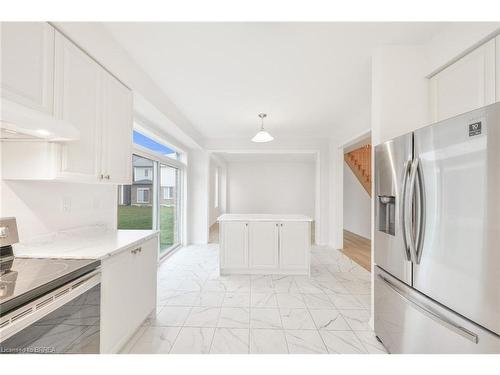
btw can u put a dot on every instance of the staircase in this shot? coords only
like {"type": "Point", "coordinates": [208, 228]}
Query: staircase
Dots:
{"type": "Point", "coordinates": [360, 162]}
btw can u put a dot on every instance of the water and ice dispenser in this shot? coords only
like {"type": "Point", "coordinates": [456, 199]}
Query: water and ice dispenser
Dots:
{"type": "Point", "coordinates": [386, 213]}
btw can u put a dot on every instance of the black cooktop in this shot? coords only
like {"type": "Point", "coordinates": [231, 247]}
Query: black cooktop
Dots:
{"type": "Point", "coordinates": [24, 279]}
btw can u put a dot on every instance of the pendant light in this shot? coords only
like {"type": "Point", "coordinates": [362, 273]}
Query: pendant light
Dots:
{"type": "Point", "coordinates": [262, 135]}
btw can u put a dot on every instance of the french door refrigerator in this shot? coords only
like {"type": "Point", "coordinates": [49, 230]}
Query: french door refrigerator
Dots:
{"type": "Point", "coordinates": [437, 237]}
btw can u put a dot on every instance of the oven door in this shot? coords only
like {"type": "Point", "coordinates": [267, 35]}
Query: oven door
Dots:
{"type": "Point", "coordinates": [66, 320]}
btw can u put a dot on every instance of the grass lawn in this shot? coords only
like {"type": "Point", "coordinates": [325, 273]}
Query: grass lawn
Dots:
{"type": "Point", "coordinates": [136, 217]}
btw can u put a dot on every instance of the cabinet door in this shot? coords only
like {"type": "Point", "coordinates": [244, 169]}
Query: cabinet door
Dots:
{"type": "Point", "coordinates": [117, 301]}
{"type": "Point", "coordinates": [77, 98]}
{"type": "Point", "coordinates": [295, 243]}
{"type": "Point", "coordinates": [235, 245]}
{"type": "Point", "coordinates": [263, 245]}
{"type": "Point", "coordinates": [465, 85]}
{"type": "Point", "coordinates": [117, 131]}
{"type": "Point", "coordinates": [145, 261]}
{"type": "Point", "coordinates": [27, 66]}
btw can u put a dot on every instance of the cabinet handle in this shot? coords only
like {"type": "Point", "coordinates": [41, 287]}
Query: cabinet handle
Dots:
{"type": "Point", "coordinates": [106, 177]}
{"type": "Point", "coordinates": [135, 251]}
{"type": "Point", "coordinates": [101, 176]}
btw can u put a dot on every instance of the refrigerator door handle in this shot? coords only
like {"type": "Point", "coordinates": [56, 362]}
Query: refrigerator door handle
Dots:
{"type": "Point", "coordinates": [403, 209]}
{"type": "Point", "coordinates": [420, 218]}
{"type": "Point", "coordinates": [471, 336]}
{"type": "Point", "coordinates": [408, 200]}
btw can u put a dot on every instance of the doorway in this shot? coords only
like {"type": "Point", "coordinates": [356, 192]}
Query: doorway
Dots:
{"type": "Point", "coordinates": [357, 186]}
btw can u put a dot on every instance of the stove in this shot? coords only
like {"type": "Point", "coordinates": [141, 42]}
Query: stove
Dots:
{"type": "Point", "coordinates": [30, 278]}
{"type": "Point", "coordinates": [47, 304]}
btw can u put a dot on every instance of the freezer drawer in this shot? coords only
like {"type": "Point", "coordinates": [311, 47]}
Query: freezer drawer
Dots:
{"type": "Point", "coordinates": [408, 322]}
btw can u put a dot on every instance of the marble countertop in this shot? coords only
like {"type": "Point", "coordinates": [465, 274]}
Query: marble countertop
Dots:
{"type": "Point", "coordinates": [263, 217]}
{"type": "Point", "coordinates": [83, 243]}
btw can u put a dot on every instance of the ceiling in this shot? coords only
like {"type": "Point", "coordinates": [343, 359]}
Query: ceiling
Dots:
{"type": "Point", "coordinates": [310, 78]}
{"type": "Point", "coordinates": [282, 157]}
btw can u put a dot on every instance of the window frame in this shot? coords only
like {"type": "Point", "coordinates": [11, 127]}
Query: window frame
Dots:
{"type": "Point", "coordinates": [181, 165]}
{"type": "Point", "coordinates": [169, 190]}
{"type": "Point", "coordinates": [143, 190]}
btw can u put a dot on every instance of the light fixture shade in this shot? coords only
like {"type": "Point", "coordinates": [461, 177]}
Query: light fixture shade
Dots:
{"type": "Point", "coordinates": [262, 136]}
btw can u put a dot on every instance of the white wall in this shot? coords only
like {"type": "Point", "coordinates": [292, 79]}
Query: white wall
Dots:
{"type": "Point", "coordinates": [293, 145]}
{"type": "Point", "coordinates": [215, 212]}
{"type": "Point", "coordinates": [400, 91]}
{"type": "Point", "coordinates": [271, 187]}
{"type": "Point", "coordinates": [39, 206]}
{"type": "Point", "coordinates": [357, 205]}
{"type": "Point", "coordinates": [197, 197]}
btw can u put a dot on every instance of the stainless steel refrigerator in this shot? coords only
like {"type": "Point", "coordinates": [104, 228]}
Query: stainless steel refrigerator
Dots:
{"type": "Point", "coordinates": [437, 237]}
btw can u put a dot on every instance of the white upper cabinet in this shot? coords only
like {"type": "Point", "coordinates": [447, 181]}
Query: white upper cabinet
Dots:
{"type": "Point", "coordinates": [465, 85]}
{"type": "Point", "coordinates": [27, 73]}
{"type": "Point", "coordinates": [43, 71]}
{"type": "Point", "coordinates": [77, 100]}
{"type": "Point", "coordinates": [117, 131]}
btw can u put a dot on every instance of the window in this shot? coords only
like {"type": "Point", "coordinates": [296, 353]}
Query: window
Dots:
{"type": "Point", "coordinates": [216, 188]}
{"type": "Point", "coordinates": [149, 143]}
{"type": "Point", "coordinates": [153, 201]}
{"type": "Point", "coordinates": [169, 206]}
{"type": "Point", "coordinates": [167, 192]}
{"type": "Point", "coordinates": [135, 206]}
{"type": "Point", "coordinates": [142, 195]}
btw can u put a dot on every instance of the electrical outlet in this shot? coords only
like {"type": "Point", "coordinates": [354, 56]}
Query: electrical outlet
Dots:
{"type": "Point", "coordinates": [66, 204]}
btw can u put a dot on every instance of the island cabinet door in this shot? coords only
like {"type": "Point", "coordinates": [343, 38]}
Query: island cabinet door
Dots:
{"type": "Point", "coordinates": [263, 245]}
{"type": "Point", "coordinates": [235, 245]}
{"type": "Point", "coordinates": [294, 245]}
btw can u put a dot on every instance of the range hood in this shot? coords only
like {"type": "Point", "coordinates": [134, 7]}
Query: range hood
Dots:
{"type": "Point", "coordinates": [21, 123]}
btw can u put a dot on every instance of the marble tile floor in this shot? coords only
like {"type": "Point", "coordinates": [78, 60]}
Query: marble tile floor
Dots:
{"type": "Point", "coordinates": [200, 311]}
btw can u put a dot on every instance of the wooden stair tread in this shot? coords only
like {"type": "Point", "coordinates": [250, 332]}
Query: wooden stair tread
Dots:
{"type": "Point", "coordinates": [359, 161]}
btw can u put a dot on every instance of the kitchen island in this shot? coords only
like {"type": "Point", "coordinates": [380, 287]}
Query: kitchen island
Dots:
{"type": "Point", "coordinates": [265, 244]}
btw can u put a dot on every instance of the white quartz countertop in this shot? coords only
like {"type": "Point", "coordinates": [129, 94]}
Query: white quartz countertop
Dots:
{"type": "Point", "coordinates": [262, 217]}
{"type": "Point", "coordinates": [84, 243]}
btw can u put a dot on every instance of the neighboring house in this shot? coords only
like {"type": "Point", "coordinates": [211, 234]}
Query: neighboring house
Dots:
{"type": "Point", "coordinates": [140, 193]}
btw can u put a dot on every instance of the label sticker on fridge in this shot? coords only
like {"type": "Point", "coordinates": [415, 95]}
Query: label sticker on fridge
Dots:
{"type": "Point", "coordinates": [475, 129]}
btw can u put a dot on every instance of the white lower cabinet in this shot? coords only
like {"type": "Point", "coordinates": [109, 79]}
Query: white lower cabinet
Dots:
{"type": "Point", "coordinates": [235, 243]}
{"type": "Point", "coordinates": [128, 293]}
{"type": "Point", "coordinates": [260, 247]}
{"type": "Point", "coordinates": [294, 238]}
{"type": "Point", "coordinates": [263, 245]}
